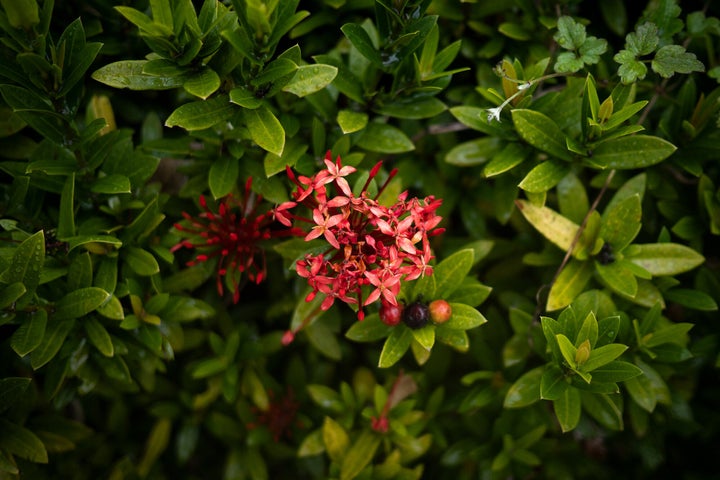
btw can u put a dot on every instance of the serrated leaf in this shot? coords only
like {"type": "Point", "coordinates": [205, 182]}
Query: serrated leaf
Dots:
{"type": "Point", "coordinates": [643, 40]}
{"type": "Point", "coordinates": [310, 79]}
{"type": "Point", "coordinates": [30, 333]}
{"type": "Point", "coordinates": [571, 34]}
{"type": "Point", "coordinates": [395, 346]}
{"type": "Point", "coordinates": [541, 132]}
{"type": "Point", "coordinates": [631, 69]}
{"type": "Point", "coordinates": [201, 114]}
{"type": "Point", "coordinates": [265, 129]}
{"type": "Point", "coordinates": [672, 59]}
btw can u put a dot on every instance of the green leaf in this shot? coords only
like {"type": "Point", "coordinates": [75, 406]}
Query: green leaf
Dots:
{"type": "Point", "coordinates": [78, 303]}
{"type": "Point", "coordinates": [569, 284]}
{"type": "Point", "coordinates": [544, 176]}
{"type": "Point", "coordinates": [30, 334]}
{"type": "Point", "coordinates": [457, 339]}
{"type": "Point", "coordinates": [476, 118]}
{"type": "Point", "coordinates": [201, 114]}
{"type": "Point", "coordinates": [141, 261]}
{"type": "Point", "coordinates": [55, 335]}
{"type": "Point", "coordinates": [350, 121]}
{"type": "Point", "coordinates": [310, 79]}
{"type": "Point", "coordinates": [451, 272]}
{"type": "Point", "coordinates": [637, 151]}
{"type": "Point", "coordinates": [10, 294]}
{"type": "Point", "coordinates": [324, 340]}
{"type": "Point", "coordinates": [567, 349]}
{"type": "Point", "coordinates": [413, 109]}
{"type": "Point", "coordinates": [335, 438]}
{"type": "Point", "coordinates": [245, 98]}
{"type": "Point", "coordinates": [472, 294]}
{"type": "Point", "coordinates": [691, 298]}
{"type": "Point", "coordinates": [359, 455]}
{"type": "Point", "coordinates": [615, 371]}
{"type": "Point", "coordinates": [26, 265]}
{"type": "Point", "coordinates": [474, 152]}
{"type": "Point", "coordinates": [12, 390]}
{"type": "Point", "coordinates": [618, 278]}
{"type": "Point", "coordinates": [621, 223]}
{"type": "Point", "coordinates": [265, 129]}
{"type": "Point", "coordinates": [130, 74]}
{"type": "Point", "coordinates": [644, 40]}
{"type": "Point", "coordinates": [384, 138]}
{"type": "Point", "coordinates": [603, 355]}
{"type": "Point", "coordinates": [35, 111]}
{"type": "Point", "coordinates": [571, 34]}
{"type": "Point", "coordinates": [361, 41]}
{"type": "Point", "coordinates": [395, 346]}
{"type": "Point", "coordinates": [464, 317]}
{"type": "Point", "coordinates": [630, 70]}
{"type": "Point", "coordinates": [98, 336]}
{"type": "Point", "coordinates": [553, 383]}
{"type": "Point", "coordinates": [111, 185]}
{"type": "Point", "coordinates": [604, 408]}
{"type": "Point", "coordinates": [22, 442]}
{"type": "Point", "coordinates": [526, 389]}
{"type": "Point", "coordinates": [664, 258]}
{"type": "Point", "coordinates": [541, 132]}
{"type": "Point", "coordinates": [223, 175]}
{"type": "Point", "coordinates": [511, 155]}
{"type": "Point", "coordinates": [553, 226]}
{"type": "Point", "coordinates": [21, 14]}
{"type": "Point", "coordinates": [567, 409]}
{"type": "Point", "coordinates": [672, 59]}
{"type": "Point", "coordinates": [425, 336]}
{"type": "Point", "coordinates": [203, 83]}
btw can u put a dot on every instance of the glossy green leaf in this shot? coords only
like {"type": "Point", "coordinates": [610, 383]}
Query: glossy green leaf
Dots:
{"type": "Point", "coordinates": [335, 438]}
{"type": "Point", "coordinates": [544, 176]}
{"type": "Point", "coordinates": [691, 298]}
{"type": "Point", "coordinates": [22, 442]}
{"type": "Point", "coordinates": [425, 336]}
{"type": "Point", "coordinates": [111, 185]}
{"type": "Point", "coordinates": [414, 109]}
{"type": "Point", "coordinates": [457, 339]}
{"type": "Point", "coordinates": [201, 114]}
{"type": "Point", "coordinates": [141, 261]}
{"type": "Point", "coordinates": [361, 41]}
{"type": "Point", "coordinates": [541, 132]}
{"type": "Point", "coordinates": [603, 355]}
{"type": "Point", "coordinates": [567, 409]}
{"type": "Point", "coordinates": [526, 389]}
{"type": "Point", "coordinates": [664, 258]}
{"type": "Point", "coordinates": [637, 151]}
{"type": "Point", "coordinates": [451, 272]}
{"type": "Point", "coordinates": [567, 349]}
{"type": "Point", "coordinates": [324, 340]}
{"type": "Point", "coordinates": [615, 371]}
{"type": "Point", "coordinates": [156, 443]}
{"type": "Point", "coordinates": [80, 302]}
{"type": "Point", "coordinates": [553, 226]}
{"type": "Point", "coordinates": [129, 74]}
{"type": "Point", "coordinates": [603, 408]}
{"type": "Point", "coordinates": [223, 175]}
{"type": "Point", "coordinates": [99, 336]}
{"type": "Point", "coordinates": [245, 98]}
{"type": "Point", "coordinates": [265, 129]}
{"type": "Point", "coordinates": [474, 152]}
{"type": "Point", "coordinates": [359, 455]}
{"type": "Point", "coordinates": [21, 14]}
{"type": "Point", "coordinates": [621, 224]}
{"type": "Point", "coordinates": [553, 383]}
{"type": "Point", "coordinates": [472, 294]}
{"type": "Point", "coordinates": [310, 79]}
{"type": "Point", "coordinates": [395, 346]}
{"type": "Point", "coordinates": [477, 119]}
{"type": "Point", "coordinates": [203, 83]}
{"type": "Point", "coordinates": [384, 138]}
{"type": "Point", "coordinates": [464, 317]}
{"type": "Point", "coordinates": [26, 265]}
{"type": "Point", "coordinates": [35, 111]}
{"type": "Point", "coordinates": [511, 155]}
{"type": "Point", "coordinates": [10, 294]}
{"type": "Point", "coordinates": [55, 334]}
{"type": "Point", "coordinates": [30, 333]}
{"type": "Point", "coordinates": [351, 121]}
{"type": "Point", "coordinates": [12, 390]}
{"type": "Point", "coordinates": [569, 284]}
{"type": "Point", "coordinates": [618, 278]}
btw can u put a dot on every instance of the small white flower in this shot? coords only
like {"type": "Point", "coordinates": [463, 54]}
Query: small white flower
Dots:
{"type": "Point", "coordinates": [494, 113]}
{"type": "Point", "coordinates": [524, 86]}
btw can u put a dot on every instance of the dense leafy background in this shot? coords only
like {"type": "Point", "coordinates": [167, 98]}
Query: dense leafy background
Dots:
{"type": "Point", "coordinates": [575, 145]}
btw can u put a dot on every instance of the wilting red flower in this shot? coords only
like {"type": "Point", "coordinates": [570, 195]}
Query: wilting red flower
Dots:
{"type": "Point", "coordinates": [369, 244]}
{"type": "Point", "coordinates": [233, 235]}
{"type": "Point", "coordinates": [279, 417]}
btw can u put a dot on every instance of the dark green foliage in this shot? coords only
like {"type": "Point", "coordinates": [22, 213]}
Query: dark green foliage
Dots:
{"type": "Point", "coordinates": [574, 146]}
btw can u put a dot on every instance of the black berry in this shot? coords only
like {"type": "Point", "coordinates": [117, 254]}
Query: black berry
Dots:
{"type": "Point", "coordinates": [416, 315]}
{"type": "Point", "coordinates": [605, 255]}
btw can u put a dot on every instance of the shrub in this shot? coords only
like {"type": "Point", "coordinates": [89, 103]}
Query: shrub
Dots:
{"type": "Point", "coordinates": [358, 239]}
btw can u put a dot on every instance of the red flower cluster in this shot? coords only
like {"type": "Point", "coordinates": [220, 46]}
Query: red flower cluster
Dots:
{"type": "Point", "coordinates": [370, 244]}
{"type": "Point", "coordinates": [233, 237]}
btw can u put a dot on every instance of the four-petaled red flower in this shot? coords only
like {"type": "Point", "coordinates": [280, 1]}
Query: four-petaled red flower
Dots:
{"type": "Point", "coordinates": [370, 245]}
{"type": "Point", "coordinates": [232, 235]}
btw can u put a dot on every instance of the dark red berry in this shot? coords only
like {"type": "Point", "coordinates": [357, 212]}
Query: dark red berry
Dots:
{"type": "Point", "coordinates": [440, 311]}
{"type": "Point", "coordinates": [416, 315]}
{"type": "Point", "coordinates": [390, 314]}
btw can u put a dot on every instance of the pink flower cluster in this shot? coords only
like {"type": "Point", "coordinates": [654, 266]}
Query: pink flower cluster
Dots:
{"type": "Point", "coordinates": [369, 244]}
{"type": "Point", "coordinates": [233, 235]}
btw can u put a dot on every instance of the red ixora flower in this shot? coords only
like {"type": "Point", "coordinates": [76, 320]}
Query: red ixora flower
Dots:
{"type": "Point", "coordinates": [279, 417]}
{"type": "Point", "coordinates": [233, 236]}
{"type": "Point", "coordinates": [369, 244]}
